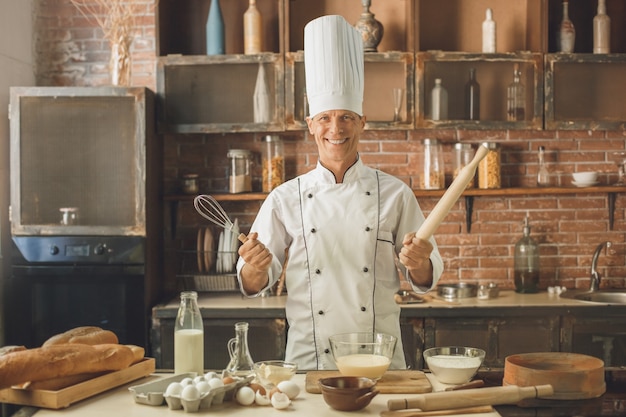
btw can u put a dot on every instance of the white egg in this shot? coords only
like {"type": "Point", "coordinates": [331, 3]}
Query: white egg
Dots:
{"type": "Point", "coordinates": [210, 375]}
{"type": "Point", "coordinates": [173, 389]}
{"type": "Point", "coordinates": [280, 401]}
{"type": "Point", "coordinates": [261, 399]}
{"type": "Point", "coordinates": [203, 386]}
{"type": "Point", "coordinates": [216, 382]}
{"type": "Point", "coordinates": [186, 381]}
{"type": "Point", "coordinates": [245, 396]}
{"type": "Point", "coordinates": [198, 379]}
{"type": "Point", "coordinates": [290, 388]}
{"type": "Point", "coordinates": [190, 393]}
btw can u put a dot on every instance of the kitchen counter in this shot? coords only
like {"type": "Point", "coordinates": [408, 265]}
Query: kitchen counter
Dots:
{"type": "Point", "coordinates": [235, 305]}
{"type": "Point", "coordinates": [119, 401]}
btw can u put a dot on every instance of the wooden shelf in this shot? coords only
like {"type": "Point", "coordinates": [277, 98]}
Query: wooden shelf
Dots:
{"type": "Point", "coordinates": [610, 190]}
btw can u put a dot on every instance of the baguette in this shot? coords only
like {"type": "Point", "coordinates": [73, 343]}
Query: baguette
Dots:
{"type": "Point", "coordinates": [10, 349]}
{"type": "Point", "coordinates": [62, 360]}
{"type": "Point", "coordinates": [89, 335]}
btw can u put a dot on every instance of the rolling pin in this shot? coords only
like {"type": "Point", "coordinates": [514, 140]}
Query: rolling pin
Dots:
{"type": "Point", "coordinates": [444, 400]}
{"type": "Point", "coordinates": [452, 194]}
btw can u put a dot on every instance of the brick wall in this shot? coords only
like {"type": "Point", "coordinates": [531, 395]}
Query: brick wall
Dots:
{"type": "Point", "coordinates": [70, 51]}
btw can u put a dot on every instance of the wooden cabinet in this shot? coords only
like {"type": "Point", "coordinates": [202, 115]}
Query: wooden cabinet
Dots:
{"type": "Point", "coordinates": [200, 94]}
{"type": "Point", "coordinates": [602, 336]}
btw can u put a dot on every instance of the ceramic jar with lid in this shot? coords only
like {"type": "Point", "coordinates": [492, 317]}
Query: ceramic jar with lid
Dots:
{"type": "Point", "coordinates": [489, 175]}
{"type": "Point", "coordinates": [240, 175]}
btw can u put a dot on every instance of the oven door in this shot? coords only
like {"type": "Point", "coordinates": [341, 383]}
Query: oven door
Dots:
{"type": "Point", "coordinates": [51, 299]}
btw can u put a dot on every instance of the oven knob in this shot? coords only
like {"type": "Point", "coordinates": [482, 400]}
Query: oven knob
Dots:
{"type": "Point", "coordinates": [99, 249]}
{"type": "Point", "coordinates": [54, 250]}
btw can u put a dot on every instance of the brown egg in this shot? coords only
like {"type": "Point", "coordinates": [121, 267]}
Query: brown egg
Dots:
{"type": "Point", "coordinates": [273, 391]}
{"type": "Point", "coordinates": [228, 380]}
{"type": "Point", "coordinates": [257, 387]}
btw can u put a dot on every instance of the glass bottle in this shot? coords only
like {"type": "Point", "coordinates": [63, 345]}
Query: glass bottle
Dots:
{"type": "Point", "coordinates": [433, 176]}
{"type": "Point", "coordinates": [273, 162]}
{"type": "Point", "coordinates": [543, 178]}
{"type": "Point", "coordinates": [215, 30]}
{"type": "Point", "coordinates": [567, 34]}
{"type": "Point", "coordinates": [516, 98]}
{"type": "Point", "coordinates": [188, 336]}
{"type": "Point", "coordinates": [240, 178]}
{"type": "Point", "coordinates": [439, 101]}
{"type": "Point", "coordinates": [463, 155]}
{"type": "Point", "coordinates": [472, 97]}
{"type": "Point", "coordinates": [489, 170]}
{"type": "Point", "coordinates": [489, 32]}
{"type": "Point", "coordinates": [252, 29]}
{"type": "Point", "coordinates": [526, 263]}
{"type": "Point", "coordinates": [601, 30]}
{"type": "Point", "coordinates": [241, 363]}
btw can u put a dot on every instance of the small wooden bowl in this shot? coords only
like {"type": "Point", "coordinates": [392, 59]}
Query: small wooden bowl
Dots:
{"type": "Point", "coordinates": [348, 393]}
{"type": "Point", "coordinates": [573, 376]}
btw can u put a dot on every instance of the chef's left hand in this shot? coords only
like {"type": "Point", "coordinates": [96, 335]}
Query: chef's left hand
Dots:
{"type": "Point", "coordinates": [415, 256]}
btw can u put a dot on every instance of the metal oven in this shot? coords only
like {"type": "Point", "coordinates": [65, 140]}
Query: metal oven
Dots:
{"type": "Point", "coordinates": [85, 216]}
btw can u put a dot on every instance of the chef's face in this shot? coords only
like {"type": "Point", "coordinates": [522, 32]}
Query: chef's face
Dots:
{"type": "Point", "coordinates": [337, 134]}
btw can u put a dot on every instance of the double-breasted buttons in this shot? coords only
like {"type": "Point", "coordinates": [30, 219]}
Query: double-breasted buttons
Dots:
{"type": "Point", "coordinates": [317, 271]}
{"type": "Point", "coordinates": [363, 309]}
{"type": "Point", "coordinates": [309, 195]}
{"type": "Point", "coordinates": [368, 193]}
{"type": "Point", "coordinates": [313, 230]}
{"type": "Point", "coordinates": [321, 312]}
{"type": "Point", "coordinates": [365, 269]}
{"type": "Point", "coordinates": [367, 228]}
{"type": "Point", "coordinates": [326, 350]}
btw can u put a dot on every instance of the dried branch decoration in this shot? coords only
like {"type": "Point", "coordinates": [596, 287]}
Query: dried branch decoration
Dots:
{"type": "Point", "coordinates": [117, 19]}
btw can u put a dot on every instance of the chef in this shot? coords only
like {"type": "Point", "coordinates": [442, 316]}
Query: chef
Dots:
{"type": "Point", "coordinates": [343, 224]}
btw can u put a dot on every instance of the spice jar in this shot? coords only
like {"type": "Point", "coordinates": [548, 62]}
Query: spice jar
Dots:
{"type": "Point", "coordinates": [489, 168]}
{"type": "Point", "coordinates": [463, 155]}
{"type": "Point", "coordinates": [240, 177]}
{"type": "Point", "coordinates": [273, 162]}
{"type": "Point", "coordinates": [189, 184]}
{"type": "Point", "coordinates": [433, 177]}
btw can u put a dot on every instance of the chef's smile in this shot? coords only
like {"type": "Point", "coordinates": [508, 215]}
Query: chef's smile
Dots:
{"type": "Point", "coordinates": [336, 132]}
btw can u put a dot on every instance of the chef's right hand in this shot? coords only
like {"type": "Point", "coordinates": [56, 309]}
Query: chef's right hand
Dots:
{"type": "Point", "coordinates": [255, 254]}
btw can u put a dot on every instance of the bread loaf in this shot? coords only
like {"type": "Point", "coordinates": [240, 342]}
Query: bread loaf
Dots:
{"type": "Point", "coordinates": [62, 360]}
{"type": "Point", "coordinates": [9, 349]}
{"type": "Point", "coordinates": [89, 335]}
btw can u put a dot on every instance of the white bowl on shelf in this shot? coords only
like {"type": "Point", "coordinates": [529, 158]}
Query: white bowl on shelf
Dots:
{"type": "Point", "coordinates": [585, 178]}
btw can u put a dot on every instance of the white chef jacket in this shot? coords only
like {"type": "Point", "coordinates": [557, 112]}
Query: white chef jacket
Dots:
{"type": "Point", "coordinates": [342, 271]}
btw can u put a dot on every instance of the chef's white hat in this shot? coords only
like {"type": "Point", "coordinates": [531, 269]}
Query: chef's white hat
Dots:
{"type": "Point", "coordinates": [333, 64]}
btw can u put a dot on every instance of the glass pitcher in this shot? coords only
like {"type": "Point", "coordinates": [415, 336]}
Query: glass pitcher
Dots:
{"type": "Point", "coordinates": [241, 363]}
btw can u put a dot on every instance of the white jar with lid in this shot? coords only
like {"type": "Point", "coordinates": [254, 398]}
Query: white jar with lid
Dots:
{"type": "Point", "coordinates": [240, 176]}
{"type": "Point", "coordinates": [433, 175]}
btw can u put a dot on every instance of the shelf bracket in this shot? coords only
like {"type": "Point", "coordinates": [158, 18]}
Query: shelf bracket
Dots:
{"type": "Point", "coordinates": [469, 208]}
{"type": "Point", "coordinates": [611, 201]}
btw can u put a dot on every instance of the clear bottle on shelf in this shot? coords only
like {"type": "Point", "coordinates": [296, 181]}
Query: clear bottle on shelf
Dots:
{"type": "Point", "coordinates": [472, 97]}
{"type": "Point", "coordinates": [601, 30]}
{"type": "Point", "coordinates": [188, 336]}
{"type": "Point", "coordinates": [433, 175]}
{"type": "Point", "coordinates": [567, 33]}
{"type": "Point", "coordinates": [516, 98]}
{"type": "Point", "coordinates": [543, 177]}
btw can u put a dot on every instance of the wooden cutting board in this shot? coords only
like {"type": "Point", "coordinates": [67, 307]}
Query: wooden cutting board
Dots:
{"type": "Point", "coordinates": [392, 382]}
{"type": "Point", "coordinates": [67, 396]}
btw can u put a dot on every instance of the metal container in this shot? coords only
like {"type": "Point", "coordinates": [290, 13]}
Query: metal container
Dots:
{"type": "Point", "coordinates": [454, 291]}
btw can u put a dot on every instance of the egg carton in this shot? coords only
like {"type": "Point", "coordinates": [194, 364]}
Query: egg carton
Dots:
{"type": "Point", "coordinates": [154, 393]}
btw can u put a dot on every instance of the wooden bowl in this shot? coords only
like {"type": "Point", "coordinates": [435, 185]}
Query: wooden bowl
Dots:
{"type": "Point", "coordinates": [573, 376]}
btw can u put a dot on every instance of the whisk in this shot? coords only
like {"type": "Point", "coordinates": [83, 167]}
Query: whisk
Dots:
{"type": "Point", "coordinates": [208, 207]}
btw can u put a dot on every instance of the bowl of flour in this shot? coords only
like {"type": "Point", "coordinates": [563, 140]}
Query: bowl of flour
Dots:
{"type": "Point", "coordinates": [454, 364]}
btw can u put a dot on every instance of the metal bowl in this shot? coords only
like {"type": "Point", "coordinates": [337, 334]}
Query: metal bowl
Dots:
{"type": "Point", "coordinates": [454, 291]}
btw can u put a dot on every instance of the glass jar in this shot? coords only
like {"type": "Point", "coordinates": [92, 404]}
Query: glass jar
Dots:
{"type": "Point", "coordinates": [188, 336]}
{"type": "Point", "coordinates": [189, 184]}
{"type": "Point", "coordinates": [241, 363]}
{"type": "Point", "coordinates": [489, 168]}
{"type": "Point", "coordinates": [463, 155]}
{"type": "Point", "coordinates": [433, 177]}
{"type": "Point", "coordinates": [240, 176]}
{"type": "Point", "coordinates": [273, 161]}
